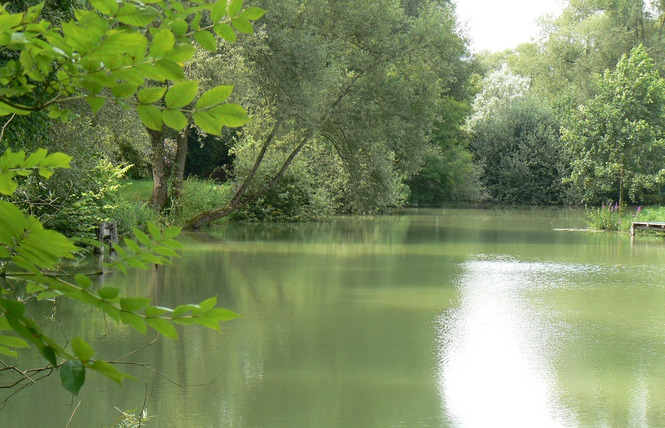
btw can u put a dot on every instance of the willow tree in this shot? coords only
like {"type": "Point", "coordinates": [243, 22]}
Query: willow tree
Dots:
{"type": "Point", "coordinates": [617, 139]}
{"type": "Point", "coordinates": [363, 80]}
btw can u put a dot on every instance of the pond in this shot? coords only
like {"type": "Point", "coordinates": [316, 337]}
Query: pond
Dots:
{"type": "Point", "coordinates": [434, 318]}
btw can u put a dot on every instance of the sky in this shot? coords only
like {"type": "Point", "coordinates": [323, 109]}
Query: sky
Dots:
{"type": "Point", "coordinates": [496, 25]}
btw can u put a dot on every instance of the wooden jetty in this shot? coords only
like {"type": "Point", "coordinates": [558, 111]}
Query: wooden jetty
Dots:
{"type": "Point", "coordinates": [646, 225]}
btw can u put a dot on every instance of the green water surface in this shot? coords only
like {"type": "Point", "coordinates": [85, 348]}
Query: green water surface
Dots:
{"type": "Point", "coordinates": [436, 318]}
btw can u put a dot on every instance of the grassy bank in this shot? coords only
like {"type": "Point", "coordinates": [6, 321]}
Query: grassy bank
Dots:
{"type": "Point", "coordinates": [197, 196]}
{"type": "Point", "coordinates": [613, 218]}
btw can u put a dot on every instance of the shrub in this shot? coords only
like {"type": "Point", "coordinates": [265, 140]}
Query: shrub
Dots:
{"type": "Point", "coordinates": [77, 208]}
{"type": "Point", "coordinates": [606, 217]}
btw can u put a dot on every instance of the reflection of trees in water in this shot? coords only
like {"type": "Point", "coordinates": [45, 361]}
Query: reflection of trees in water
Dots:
{"type": "Point", "coordinates": [370, 230]}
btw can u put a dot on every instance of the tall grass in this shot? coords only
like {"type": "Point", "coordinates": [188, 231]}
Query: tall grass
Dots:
{"type": "Point", "coordinates": [611, 217]}
{"type": "Point", "coordinates": [197, 196]}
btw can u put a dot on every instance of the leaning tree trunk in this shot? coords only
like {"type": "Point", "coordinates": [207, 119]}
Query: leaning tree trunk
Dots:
{"type": "Point", "coordinates": [159, 186]}
{"type": "Point", "coordinates": [179, 168]}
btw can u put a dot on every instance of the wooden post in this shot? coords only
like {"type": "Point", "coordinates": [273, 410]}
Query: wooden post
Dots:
{"type": "Point", "coordinates": [108, 233]}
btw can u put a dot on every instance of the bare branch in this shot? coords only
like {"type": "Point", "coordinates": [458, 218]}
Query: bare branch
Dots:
{"type": "Point", "coordinates": [2, 133]}
{"type": "Point", "coordinates": [72, 416]}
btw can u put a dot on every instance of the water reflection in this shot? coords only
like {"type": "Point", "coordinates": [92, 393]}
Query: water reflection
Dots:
{"type": "Point", "coordinates": [496, 350]}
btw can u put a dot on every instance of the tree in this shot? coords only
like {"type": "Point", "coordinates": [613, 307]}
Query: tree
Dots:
{"type": "Point", "coordinates": [362, 79]}
{"type": "Point", "coordinates": [121, 50]}
{"type": "Point", "coordinates": [520, 153]}
{"type": "Point", "coordinates": [448, 172]}
{"type": "Point", "coordinates": [616, 139]}
{"type": "Point", "coordinates": [499, 90]}
{"type": "Point", "coordinates": [515, 141]}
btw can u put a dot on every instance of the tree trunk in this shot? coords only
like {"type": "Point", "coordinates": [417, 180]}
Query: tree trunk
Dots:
{"type": "Point", "coordinates": [621, 191]}
{"type": "Point", "coordinates": [179, 167]}
{"type": "Point", "coordinates": [239, 201]}
{"type": "Point", "coordinates": [159, 186]}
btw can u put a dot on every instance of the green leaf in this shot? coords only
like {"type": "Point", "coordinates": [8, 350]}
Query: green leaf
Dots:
{"type": "Point", "coordinates": [243, 25]}
{"type": "Point", "coordinates": [142, 237]}
{"type": "Point", "coordinates": [83, 281]}
{"type": "Point", "coordinates": [108, 293]}
{"type": "Point", "coordinates": [48, 353]}
{"type": "Point", "coordinates": [82, 349]}
{"type": "Point", "coordinates": [253, 13]}
{"type": "Point", "coordinates": [162, 42]}
{"type": "Point", "coordinates": [48, 295]}
{"type": "Point", "coordinates": [181, 52]}
{"type": "Point", "coordinates": [172, 243]}
{"type": "Point", "coordinates": [12, 222]}
{"type": "Point", "coordinates": [218, 11]}
{"type": "Point", "coordinates": [208, 123]}
{"type": "Point", "coordinates": [155, 311]}
{"type": "Point", "coordinates": [181, 310]}
{"type": "Point", "coordinates": [96, 103]}
{"type": "Point", "coordinates": [226, 32]}
{"type": "Point", "coordinates": [179, 27]}
{"type": "Point", "coordinates": [214, 96]}
{"type": "Point", "coordinates": [132, 245]}
{"type": "Point", "coordinates": [7, 185]}
{"type": "Point", "coordinates": [134, 304]}
{"type": "Point", "coordinates": [151, 258]}
{"type": "Point", "coordinates": [135, 321]}
{"type": "Point", "coordinates": [72, 375]}
{"type": "Point", "coordinates": [181, 94]}
{"type": "Point", "coordinates": [196, 22]}
{"type": "Point", "coordinates": [164, 251]}
{"type": "Point", "coordinates": [231, 115]}
{"type": "Point", "coordinates": [163, 327]}
{"type": "Point", "coordinates": [120, 42]}
{"type": "Point", "coordinates": [154, 231]}
{"type": "Point", "coordinates": [174, 119]}
{"type": "Point", "coordinates": [136, 264]}
{"type": "Point", "coordinates": [171, 70]}
{"type": "Point", "coordinates": [109, 371]}
{"type": "Point", "coordinates": [151, 94]}
{"type": "Point", "coordinates": [151, 116]}
{"type": "Point", "coordinates": [208, 304]}
{"type": "Point", "coordinates": [13, 342]}
{"type": "Point", "coordinates": [221, 314]}
{"type": "Point", "coordinates": [206, 40]}
{"type": "Point", "coordinates": [172, 232]}
{"type": "Point", "coordinates": [7, 351]}
{"type": "Point", "coordinates": [107, 7]}
{"type": "Point", "coordinates": [57, 160]}
{"type": "Point", "coordinates": [35, 158]}
{"type": "Point", "coordinates": [137, 16]}
{"type": "Point", "coordinates": [234, 8]}
{"type": "Point", "coordinates": [124, 90]}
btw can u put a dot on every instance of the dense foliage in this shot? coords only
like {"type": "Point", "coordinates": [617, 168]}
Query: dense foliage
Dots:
{"type": "Point", "coordinates": [130, 51]}
{"type": "Point", "coordinates": [617, 139]}
{"type": "Point", "coordinates": [352, 90]}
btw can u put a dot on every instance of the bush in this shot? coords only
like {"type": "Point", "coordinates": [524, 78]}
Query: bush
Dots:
{"type": "Point", "coordinates": [606, 217]}
{"type": "Point", "coordinates": [523, 158]}
{"type": "Point", "coordinates": [77, 208]}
